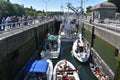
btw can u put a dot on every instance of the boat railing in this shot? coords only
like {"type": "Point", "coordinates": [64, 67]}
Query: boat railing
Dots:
{"type": "Point", "coordinates": [50, 54]}
{"type": "Point", "coordinates": [69, 70]}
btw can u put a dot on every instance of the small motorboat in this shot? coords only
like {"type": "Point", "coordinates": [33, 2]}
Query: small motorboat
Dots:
{"type": "Point", "coordinates": [64, 70]}
{"type": "Point", "coordinates": [81, 50]}
{"type": "Point", "coordinates": [96, 70]}
{"type": "Point", "coordinates": [52, 47]}
{"type": "Point", "coordinates": [39, 70]}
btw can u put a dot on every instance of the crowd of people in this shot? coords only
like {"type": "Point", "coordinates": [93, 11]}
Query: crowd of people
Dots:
{"type": "Point", "coordinates": [13, 22]}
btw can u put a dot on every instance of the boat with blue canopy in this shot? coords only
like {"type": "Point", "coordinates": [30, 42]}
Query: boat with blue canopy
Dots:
{"type": "Point", "coordinates": [39, 70]}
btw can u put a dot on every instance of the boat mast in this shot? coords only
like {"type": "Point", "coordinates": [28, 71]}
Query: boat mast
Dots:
{"type": "Point", "coordinates": [81, 17]}
{"type": "Point", "coordinates": [68, 12]}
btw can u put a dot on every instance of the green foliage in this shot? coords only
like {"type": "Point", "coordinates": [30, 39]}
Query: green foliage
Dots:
{"type": "Point", "coordinates": [30, 11]}
{"type": "Point", "coordinates": [117, 72]}
{"type": "Point", "coordinates": [54, 13]}
{"type": "Point", "coordinates": [9, 9]}
{"type": "Point", "coordinates": [40, 15]}
{"type": "Point", "coordinates": [87, 35]}
{"type": "Point", "coordinates": [2, 0]}
{"type": "Point", "coordinates": [88, 14]}
{"type": "Point", "coordinates": [117, 3]}
{"type": "Point", "coordinates": [88, 9]}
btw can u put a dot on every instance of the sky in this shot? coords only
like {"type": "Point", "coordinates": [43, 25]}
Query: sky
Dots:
{"type": "Point", "coordinates": [55, 5]}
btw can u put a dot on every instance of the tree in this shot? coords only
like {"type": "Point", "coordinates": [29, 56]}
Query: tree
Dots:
{"type": "Point", "coordinates": [6, 8]}
{"type": "Point", "coordinates": [88, 9]}
{"type": "Point", "coordinates": [117, 3]}
{"type": "Point", "coordinates": [9, 9]}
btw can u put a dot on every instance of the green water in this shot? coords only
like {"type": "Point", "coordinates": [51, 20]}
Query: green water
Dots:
{"type": "Point", "coordinates": [83, 68]}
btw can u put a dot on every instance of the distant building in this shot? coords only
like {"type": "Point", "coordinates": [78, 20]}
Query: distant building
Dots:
{"type": "Point", "coordinates": [103, 10]}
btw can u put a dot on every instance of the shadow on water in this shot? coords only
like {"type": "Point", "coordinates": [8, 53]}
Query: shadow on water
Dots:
{"type": "Point", "coordinates": [83, 68]}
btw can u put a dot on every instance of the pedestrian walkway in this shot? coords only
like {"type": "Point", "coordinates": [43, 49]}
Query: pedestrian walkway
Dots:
{"type": "Point", "coordinates": [5, 34]}
{"type": "Point", "coordinates": [115, 28]}
{"type": "Point", "coordinates": [107, 26]}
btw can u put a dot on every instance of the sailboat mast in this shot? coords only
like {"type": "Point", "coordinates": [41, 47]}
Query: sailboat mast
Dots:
{"type": "Point", "coordinates": [81, 3]}
{"type": "Point", "coordinates": [68, 12]}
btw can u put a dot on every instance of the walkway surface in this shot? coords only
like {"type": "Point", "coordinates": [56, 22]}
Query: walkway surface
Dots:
{"type": "Point", "coordinates": [114, 27]}
{"type": "Point", "coordinates": [5, 34]}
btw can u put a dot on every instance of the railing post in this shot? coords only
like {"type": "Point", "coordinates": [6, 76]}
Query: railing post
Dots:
{"type": "Point", "coordinates": [92, 36]}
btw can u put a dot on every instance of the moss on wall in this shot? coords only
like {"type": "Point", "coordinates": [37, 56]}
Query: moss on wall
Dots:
{"type": "Point", "coordinates": [27, 50]}
{"type": "Point", "coordinates": [87, 35]}
{"type": "Point", "coordinates": [12, 63]}
{"type": "Point", "coordinates": [25, 53]}
{"type": "Point", "coordinates": [106, 51]}
{"type": "Point", "coordinates": [117, 71]}
{"type": "Point", "coordinates": [4, 68]}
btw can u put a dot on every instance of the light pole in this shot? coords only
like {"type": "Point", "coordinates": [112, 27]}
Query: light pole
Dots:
{"type": "Point", "coordinates": [45, 6]}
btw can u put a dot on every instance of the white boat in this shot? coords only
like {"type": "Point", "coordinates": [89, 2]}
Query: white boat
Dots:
{"type": "Point", "coordinates": [39, 70]}
{"type": "Point", "coordinates": [81, 50]}
{"type": "Point", "coordinates": [51, 47]}
{"type": "Point", "coordinates": [64, 69]}
{"type": "Point", "coordinates": [68, 32]}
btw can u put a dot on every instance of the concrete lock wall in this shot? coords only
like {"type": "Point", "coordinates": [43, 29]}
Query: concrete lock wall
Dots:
{"type": "Point", "coordinates": [17, 49]}
{"type": "Point", "coordinates": [108, 36]}
{"type": "Point", "coordinates": [105, 43]}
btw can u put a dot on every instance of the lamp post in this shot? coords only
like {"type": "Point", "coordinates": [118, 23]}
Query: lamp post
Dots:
{"type": "Point", "coordinates": [45, 6]}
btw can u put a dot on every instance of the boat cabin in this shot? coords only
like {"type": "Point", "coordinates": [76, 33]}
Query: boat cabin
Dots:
{"type": "Point", "coordinates": [37, 70]}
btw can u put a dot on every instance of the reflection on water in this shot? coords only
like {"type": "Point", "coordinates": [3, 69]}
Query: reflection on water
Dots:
{"type": "Point", "coordinates": [83, 68]}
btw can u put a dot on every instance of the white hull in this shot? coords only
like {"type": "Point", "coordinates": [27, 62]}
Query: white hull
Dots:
{"type": "Point", "coordinates": [57, 75]}
{"type": "Point", "coordinates": [68, 37]}
{"type": "Point", "coordinates": [52, 53]}
{"type": "Point", "coordinates": [50, 69]}
{"type": "Point", "coordinates": [68, 32]}
{"type": "Point", "coordinates": [80, 56]}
